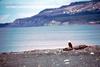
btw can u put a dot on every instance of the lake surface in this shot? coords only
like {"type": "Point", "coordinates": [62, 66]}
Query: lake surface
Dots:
{"type": "Point", "coordinates": [29, 38]}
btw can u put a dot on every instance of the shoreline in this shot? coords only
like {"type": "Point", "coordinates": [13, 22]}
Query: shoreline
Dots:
{"type": "Point", "coordinates": [76, 48]}
{"type": "Point", "coordinates": [85, 57]}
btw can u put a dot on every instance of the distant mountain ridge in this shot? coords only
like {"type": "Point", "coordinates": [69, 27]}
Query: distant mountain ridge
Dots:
{"type": "Point", "coordinates": [87, 12]}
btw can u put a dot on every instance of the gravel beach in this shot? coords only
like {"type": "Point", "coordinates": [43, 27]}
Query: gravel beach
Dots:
{"type": "Point", "coordinates": [87, 57]}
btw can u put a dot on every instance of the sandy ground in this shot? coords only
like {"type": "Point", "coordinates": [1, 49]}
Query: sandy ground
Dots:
{"type": "Point", "coordinates": [88, 57]}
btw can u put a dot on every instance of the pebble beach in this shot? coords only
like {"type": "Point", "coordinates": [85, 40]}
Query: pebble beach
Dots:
{"type": "Point", "coordinates": [86, 57]}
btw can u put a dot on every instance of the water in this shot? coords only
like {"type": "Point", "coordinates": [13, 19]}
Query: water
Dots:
{"type": "Point", "coordinates": [29, 38]}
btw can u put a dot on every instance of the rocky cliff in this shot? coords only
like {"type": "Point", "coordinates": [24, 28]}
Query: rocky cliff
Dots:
{"type": "Point", "coordinates": [87, 12]}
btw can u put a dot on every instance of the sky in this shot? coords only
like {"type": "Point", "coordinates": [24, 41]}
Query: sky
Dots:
{"type": "Point", "coordinates": [13, 9]}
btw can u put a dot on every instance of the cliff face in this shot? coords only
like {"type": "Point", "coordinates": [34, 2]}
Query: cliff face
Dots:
{"type": "Point", "coordinates": [76, 13]}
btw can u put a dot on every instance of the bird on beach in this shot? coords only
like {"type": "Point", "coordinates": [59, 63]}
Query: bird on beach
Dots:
{"type": "Point", "coordinates": [70, 44]}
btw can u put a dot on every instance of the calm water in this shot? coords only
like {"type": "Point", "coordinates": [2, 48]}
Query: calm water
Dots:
{"type": "Point", "coordinates": [28, 38]}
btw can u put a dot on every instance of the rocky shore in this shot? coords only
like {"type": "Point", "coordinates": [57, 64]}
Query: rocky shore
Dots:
{"type": "Point", "coordinates": [79, 56]}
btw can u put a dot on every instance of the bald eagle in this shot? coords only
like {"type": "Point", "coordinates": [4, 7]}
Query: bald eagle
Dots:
{"type": "Point", "coordinates": [70, 44]}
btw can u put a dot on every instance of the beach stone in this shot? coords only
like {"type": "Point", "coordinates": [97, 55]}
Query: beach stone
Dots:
{"type": "Point", "coordinates": [66, 60]}
{"type": "Point", "coordinates": [92, 53]}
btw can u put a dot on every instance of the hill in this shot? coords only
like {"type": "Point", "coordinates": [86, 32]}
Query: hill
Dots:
{"type": "Point", "coordinates": [86, 12]}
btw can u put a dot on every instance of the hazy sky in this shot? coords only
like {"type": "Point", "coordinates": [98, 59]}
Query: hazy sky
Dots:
{"type": "Point", "coordinates": [12, 9]}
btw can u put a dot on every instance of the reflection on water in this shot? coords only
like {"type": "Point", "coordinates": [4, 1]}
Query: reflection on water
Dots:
{"type": "Point", "coordinates": [18, 39]}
